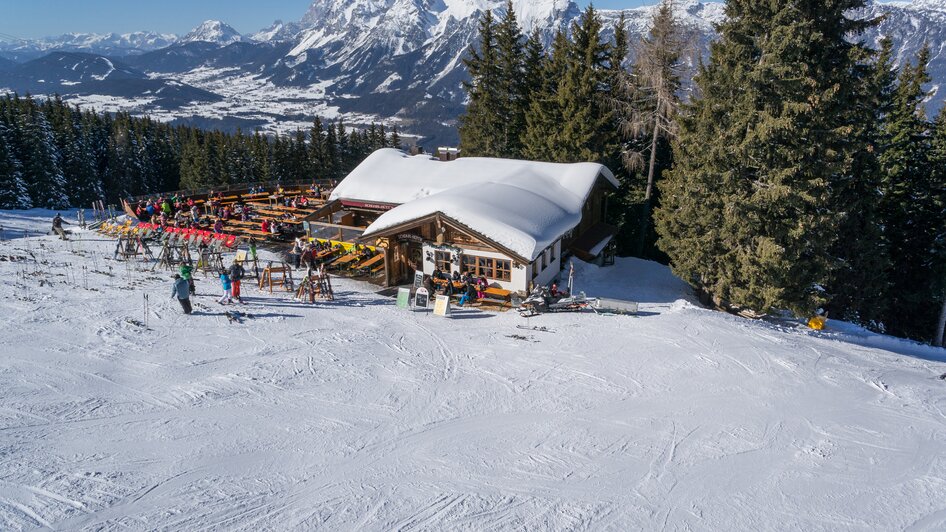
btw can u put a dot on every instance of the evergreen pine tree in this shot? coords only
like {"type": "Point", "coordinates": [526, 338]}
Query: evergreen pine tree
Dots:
{"type": "Point", "coordinates": [545, 111]}
{"type": "Point", "coordinates": [745, 212]}
{"type": "Point", "coordinates": [858, 286]}
{"type": "Point", "coordinates": [332, 159]}
{"type": "Point", "coordinates": [394, 140]}
{"type": "Point", "coordinates": [13, 193]}
{"type": "Point", "coordinates": [907, 203]}
{"type": "Point", "coordinates": [194, 168]}
{"type": "Point", "coordinates": [37, 151]}
{"type": "Point", "coordinates": [512, 103]}
{"type": "Point", "coordinates": [937, 159]}
{"type": "Point", "coordinates": [585, 133]}
{"type": "Point", "coordinates": [480, 126]}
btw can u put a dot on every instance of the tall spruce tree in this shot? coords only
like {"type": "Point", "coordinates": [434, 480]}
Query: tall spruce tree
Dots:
{"type": "Point", "coordinates": [745, 211]}
{"type": "Point", "coordinates": [13, 193]}
{"type": "Point", "coordinates": [37, 151]}
{"type": "Point", "coordinates": [545, 109]}
{"type": "Point", "coordinates": [480, 126]}
{"type": "Point", "coordinates": [938, 182]}
{"type": "Point", "coordinates": [907, 204]}
{"type": "Point", "coordinates": [512, 102]}
{"type": "Point", "coordinates": [585, 133]}
{"type": "Point", "coordinates": [859, 285]}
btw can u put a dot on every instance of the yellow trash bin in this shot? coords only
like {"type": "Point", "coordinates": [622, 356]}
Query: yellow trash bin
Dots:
{"type": "Point", "coordinates": [817, 323]}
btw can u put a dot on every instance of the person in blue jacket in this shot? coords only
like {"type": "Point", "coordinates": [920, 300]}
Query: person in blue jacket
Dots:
{"type": "Point", "coordinates": [227, 296]}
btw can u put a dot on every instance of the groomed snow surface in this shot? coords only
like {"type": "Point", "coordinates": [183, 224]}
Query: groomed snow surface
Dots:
{"type": "Point", "coordinates": [356, 415]}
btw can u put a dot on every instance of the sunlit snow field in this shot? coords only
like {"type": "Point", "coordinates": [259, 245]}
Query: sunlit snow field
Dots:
{"type": "Point", "coordinates": [357, 415]}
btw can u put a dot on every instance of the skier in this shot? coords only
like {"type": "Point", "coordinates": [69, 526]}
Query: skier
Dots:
{"type": "Point", "coordinates": [57, 226]}
{"type": "Point", "coordinates": [181, 290]}
{"type": "Point", "coordinates": [236, 275]}
{"type": "Point", "coordinates": [227, 288]}
{"type": "Point", "coordinates": [187, 273]}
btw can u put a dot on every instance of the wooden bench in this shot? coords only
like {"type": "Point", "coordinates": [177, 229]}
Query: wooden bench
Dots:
{"type": "Point", "coordinates": [254, 232]}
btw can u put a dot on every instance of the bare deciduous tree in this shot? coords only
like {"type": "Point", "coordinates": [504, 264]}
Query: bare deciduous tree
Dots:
{"type": "Point", "coordinates": [646, 99]}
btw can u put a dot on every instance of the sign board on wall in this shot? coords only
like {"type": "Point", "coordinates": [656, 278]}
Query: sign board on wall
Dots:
{"type": "Point", "coordinates": [418, 279]}
{"type": "Point", "coordinates": [442, 306]}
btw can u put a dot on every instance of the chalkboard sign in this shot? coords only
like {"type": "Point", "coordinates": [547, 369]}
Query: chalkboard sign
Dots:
{"type": "Point", "coordinates": [418, 279]}
{"type": "Point", "coordinates": [422, 298]}
{"type": "Point", "coordinates": [403, 297]}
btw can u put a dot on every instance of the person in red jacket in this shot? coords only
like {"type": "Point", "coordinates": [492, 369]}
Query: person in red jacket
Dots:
{"type": "Point", "coordinates": [264, 226]}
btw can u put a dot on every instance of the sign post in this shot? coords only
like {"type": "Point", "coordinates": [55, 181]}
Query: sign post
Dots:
{"type": "Point", "coordinates": [442, 306]}
{"type": "Point", "coordinates": [421, 298]}
{"type": "Point", "coordinates": [403, 298]}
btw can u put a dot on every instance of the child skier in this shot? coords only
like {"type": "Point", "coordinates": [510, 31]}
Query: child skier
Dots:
{"type": "Point", "coordinates": [181, 291]}
{"type": "Point", "coordinates": [236, 275]}
{"type": "Point", "coordinates": [187, 273]}
{"type": "Point", "coordinates": [227, 296]}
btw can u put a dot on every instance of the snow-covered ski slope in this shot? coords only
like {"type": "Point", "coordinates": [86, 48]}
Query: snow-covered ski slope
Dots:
{"type": "Point", "coordinates": [355, 415]}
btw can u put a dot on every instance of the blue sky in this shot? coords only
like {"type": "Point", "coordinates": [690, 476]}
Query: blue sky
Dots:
{"type": "Point", "coordinates": [28, 19]}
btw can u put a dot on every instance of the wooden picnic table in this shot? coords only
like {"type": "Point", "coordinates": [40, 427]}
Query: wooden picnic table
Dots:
{"type": "Point", "coordinates": [498, 293]}
{"type": "Point", "coordinates": [345, 259]}
{"type": "Point", "coordinates": [325, 253]}
{"type": "Point", "coordinates": [371, 262]}
{"type": "Point", "coordinates": [242, 223]}
{"type": "Point", "coordinates": [456, 284]}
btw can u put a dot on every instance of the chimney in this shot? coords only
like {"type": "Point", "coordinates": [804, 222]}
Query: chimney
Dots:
{"type": "Point", "coordinates": [447, 154]}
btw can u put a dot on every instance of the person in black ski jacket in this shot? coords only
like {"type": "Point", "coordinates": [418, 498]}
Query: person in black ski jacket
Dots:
{"type": "Point", "coordinates": [237, 273]}
{"type": "Point", "coordinates": [181, 290]}
{"type": "Point", "coordinates": [57, 226]}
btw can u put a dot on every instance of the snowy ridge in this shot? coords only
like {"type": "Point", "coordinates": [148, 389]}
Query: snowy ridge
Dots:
{"type": "Point", "coordinates": [215, 32]}
{"type": "Point", "coordinates": [400, 61]}
{"type": "Point", "coordinates": [113, 43]}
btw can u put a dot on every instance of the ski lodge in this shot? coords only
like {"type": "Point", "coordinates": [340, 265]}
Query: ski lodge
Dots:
{"type": "Point", "coordinates": [510, 221]}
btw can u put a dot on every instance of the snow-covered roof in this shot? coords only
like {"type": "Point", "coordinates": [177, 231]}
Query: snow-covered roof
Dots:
{"type": "Point", "coordinates": [522, 205]}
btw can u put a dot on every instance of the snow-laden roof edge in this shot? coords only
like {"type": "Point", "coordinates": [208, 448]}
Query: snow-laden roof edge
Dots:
{"type": "Point", "coordinates": [522, 205]}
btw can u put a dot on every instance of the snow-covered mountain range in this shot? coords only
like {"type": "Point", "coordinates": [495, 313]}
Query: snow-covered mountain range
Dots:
{"type": "Point", "coordinates": [389, 60]}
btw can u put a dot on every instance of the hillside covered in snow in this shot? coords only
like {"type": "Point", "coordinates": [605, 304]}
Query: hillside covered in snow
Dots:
{"type": "Point", "coordinates": [355, 414]}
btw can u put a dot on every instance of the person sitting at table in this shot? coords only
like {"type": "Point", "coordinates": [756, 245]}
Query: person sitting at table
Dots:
{"type": "Point", "coordinates": [264, 225]}
{"type": "Point", "coordinates": [456, 276]}
{"type": "Point", "coordinates": [481, 285]}
{"type": "Point", "coordinates": [437, 275]}
{"type": "Point", "coordinates": [218, 226]}
{"type": "Point", "coordinates": [447, 287]}
{"type": "Point", "coordinates": [429, 284]}
{"type": "Point", "coordinates": [469, 294]}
